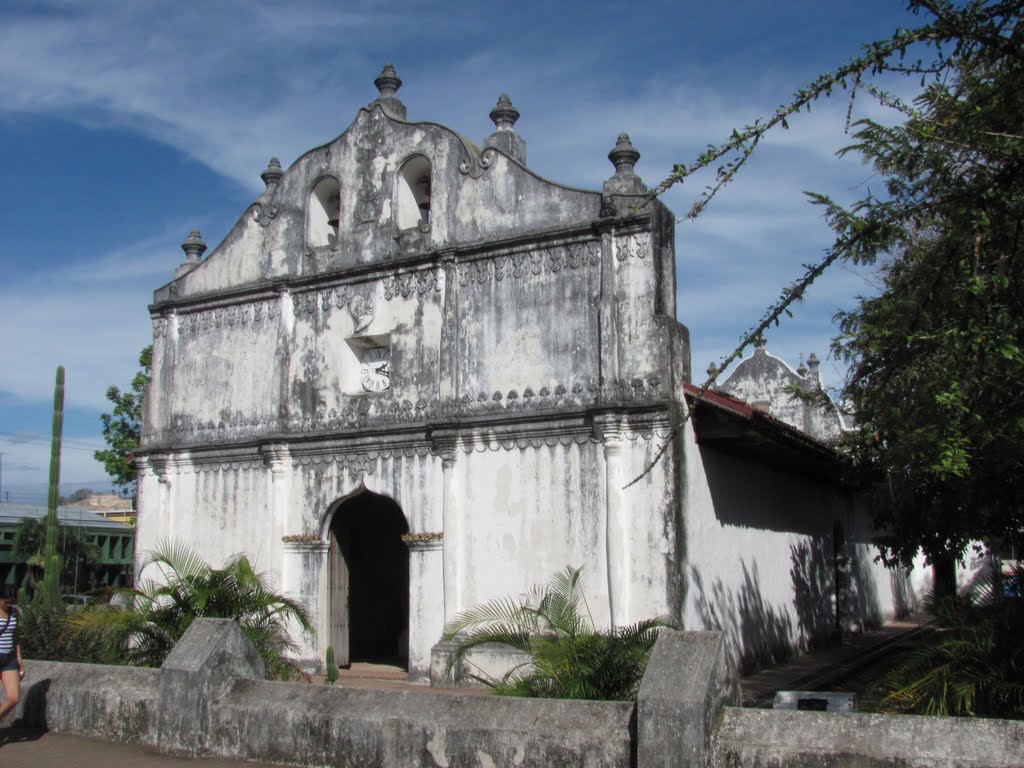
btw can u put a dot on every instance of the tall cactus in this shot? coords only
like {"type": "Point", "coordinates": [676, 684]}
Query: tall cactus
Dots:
{"type": "Point", "coordinates": [51, 560]}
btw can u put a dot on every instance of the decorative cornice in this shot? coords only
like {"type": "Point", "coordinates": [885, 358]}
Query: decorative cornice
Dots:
{"type": "Point", "coordinates": [363, 412]}
{"type": "Point", "coordinates": [362, 454]}
{"type": "Point", "coordinates": [276, 457]}
{"type": "Point", "coordinates": [302, 545]}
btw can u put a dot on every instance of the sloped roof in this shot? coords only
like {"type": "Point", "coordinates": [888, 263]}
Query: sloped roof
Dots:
{"type": "Point", "coordinates": [733, 426]}
{"type": "Point", "coordinates": [12, 514]}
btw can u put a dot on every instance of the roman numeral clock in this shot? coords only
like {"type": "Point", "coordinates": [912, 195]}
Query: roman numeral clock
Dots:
{"type": "Point", "coordinates": [375, 369]}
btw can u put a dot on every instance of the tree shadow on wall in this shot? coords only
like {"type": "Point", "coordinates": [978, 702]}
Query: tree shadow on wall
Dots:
{"type": "Point", "coordinates": [755, 633]}
{"type": "Point", "coordinates": [812, 573]}
{"type": "Point", "coordinates": [859, 602]}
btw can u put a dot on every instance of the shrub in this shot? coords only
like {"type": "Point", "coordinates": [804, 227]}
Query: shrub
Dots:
{"type": "Point", "coordinates": [569, 658]}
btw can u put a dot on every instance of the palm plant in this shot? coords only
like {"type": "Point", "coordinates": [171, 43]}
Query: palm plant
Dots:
{"type": "Point", "coordinates": [974, 663]}
{"type": "Point", "coordinates": [569, 657]}
{"type": "Point", "coordinates": [159, 612]}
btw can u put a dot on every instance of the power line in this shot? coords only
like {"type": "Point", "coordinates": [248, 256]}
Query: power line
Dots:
{"type": "Point", "coordinates": [75, 445]}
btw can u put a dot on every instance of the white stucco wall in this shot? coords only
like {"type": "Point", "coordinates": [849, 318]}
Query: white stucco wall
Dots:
{"type": "Point", "coordinates": [760, 559]}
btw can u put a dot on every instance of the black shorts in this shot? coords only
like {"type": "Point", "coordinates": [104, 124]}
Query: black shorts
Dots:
{"type": "Point", "coordinates": [8, 662]}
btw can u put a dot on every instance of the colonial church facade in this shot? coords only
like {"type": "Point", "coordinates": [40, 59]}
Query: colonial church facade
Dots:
{"type": "Point", "coordinates": [416, 376]}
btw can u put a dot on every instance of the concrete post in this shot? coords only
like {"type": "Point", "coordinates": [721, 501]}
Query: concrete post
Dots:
{"type": "Point", "coordinates": [689, 680]}
{"type": "Point", "coordinates": [202, 664]}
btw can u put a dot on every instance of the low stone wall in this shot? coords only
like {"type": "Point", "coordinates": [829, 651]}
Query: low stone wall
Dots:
{"type": "Point", "coordinates": [209, 698]}
{"type": "Point", "coordinates": [94, 700]}
{"type": "Point", "coordinates": [763, 738]}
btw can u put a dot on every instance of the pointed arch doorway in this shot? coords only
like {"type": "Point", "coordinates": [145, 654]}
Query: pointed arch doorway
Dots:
{"type": "Point", "coordinates": [368, 591]}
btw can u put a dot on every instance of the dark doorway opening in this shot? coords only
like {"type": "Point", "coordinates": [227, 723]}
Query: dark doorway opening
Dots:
{"type": "Point", "coordinates": [369, 581]}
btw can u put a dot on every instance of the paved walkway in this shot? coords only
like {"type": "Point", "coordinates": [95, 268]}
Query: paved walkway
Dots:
{"type": "Point", "coordinates": [812, 671]}
{"type": "Point", "coordinates": [819, 670]}
{"type": "Point", "coordinates": [19, 749]}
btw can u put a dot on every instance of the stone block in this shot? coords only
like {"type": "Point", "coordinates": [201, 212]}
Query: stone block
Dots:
{"type": "Point", "coordinates": [816, 701]}
{"type": "Point", "coordinates": [689, 680]}
{"type": "Point", "coordinates": [202, 666]}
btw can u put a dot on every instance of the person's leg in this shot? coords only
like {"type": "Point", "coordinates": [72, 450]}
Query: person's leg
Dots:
{"type": "Point", "coordinates": [12, 691]}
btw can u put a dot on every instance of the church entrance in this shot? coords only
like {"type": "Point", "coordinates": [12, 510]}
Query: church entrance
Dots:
{"type": "Point", "coordinates": [368, 599]}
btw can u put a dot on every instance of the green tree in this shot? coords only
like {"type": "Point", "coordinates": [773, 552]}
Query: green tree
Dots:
{"type": "Point", "coordinates": [159, 612]}
{"type": "Point", "coordinates": [569, 658]}
{"type": "Point", "coordinates": [935, 359]}
{"type": "Point", "coordinates": [122, 428]}
{"type": "Point", "coordinates": [78, 555]}
{"type": "Point", "coordinates": [973, 666]}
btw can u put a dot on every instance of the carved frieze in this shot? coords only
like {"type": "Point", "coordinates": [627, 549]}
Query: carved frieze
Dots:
{"type": "Point", "coordinates": [405, 284]}
{"type": "Point", "coordinates": [238, 315]}
{"type": "Point", "coordinates": [635, 246]}
{"type": "Point", "coordinates": [509, 265]}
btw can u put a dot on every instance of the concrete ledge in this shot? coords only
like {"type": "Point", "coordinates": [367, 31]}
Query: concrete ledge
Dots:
{"type": "Point", "coordinates": [101, 702]}
{"type": "Point", "coordinates": [316, 725]}
{"type": "Point", "coordinates": [757, 738]}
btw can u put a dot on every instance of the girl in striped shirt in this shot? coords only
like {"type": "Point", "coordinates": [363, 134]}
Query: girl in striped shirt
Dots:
{"type": "Point", "coordinates": [11, 669]}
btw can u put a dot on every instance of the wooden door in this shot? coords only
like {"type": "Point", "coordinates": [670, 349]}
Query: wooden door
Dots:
{"type": "Point", "coordinates": [337, 601]}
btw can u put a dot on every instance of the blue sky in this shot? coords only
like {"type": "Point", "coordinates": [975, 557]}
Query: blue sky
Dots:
{"type": "Point", "coordinates": [125, 124]}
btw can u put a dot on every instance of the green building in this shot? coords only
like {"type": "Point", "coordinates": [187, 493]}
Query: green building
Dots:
{"type": "Point", "coordinates": [114, 541]}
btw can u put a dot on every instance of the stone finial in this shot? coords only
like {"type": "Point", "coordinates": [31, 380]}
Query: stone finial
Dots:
{"type": "Point", "coordinates": [801, 369]}
{"type": "Point", "coordinates": [194, 247]}
{"type": "Point", "coordinates": [505, 137]}
{"type": "Point", "coordinates": [712, 370]}
{"type": "Point", "coordinates": [624, 156]}
{"type": "Point", "coordinates": [813, 363]}
{"type": "Point", "coordinates": [388, 83]}
{"type": "Point", "coordinates": [759, 344]}
{"type": "Point", "coordinates": [504, 115]}
{"type": "Point", "coordinates": [272, 173]}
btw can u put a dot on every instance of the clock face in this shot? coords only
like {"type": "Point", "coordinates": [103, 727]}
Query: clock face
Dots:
{"type": "Point", "coordinates": [375, 369]}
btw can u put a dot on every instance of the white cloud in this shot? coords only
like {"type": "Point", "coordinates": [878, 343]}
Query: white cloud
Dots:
{"type": "Point", "coordinates": [231, 83]}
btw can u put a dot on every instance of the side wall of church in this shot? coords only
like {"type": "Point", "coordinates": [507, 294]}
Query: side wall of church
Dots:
{"type": "Point", "coordinates": [761, 558]}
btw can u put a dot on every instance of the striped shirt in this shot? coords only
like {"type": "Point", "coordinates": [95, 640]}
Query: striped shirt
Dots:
{"type": "Point", "coordinates": [7, 637]}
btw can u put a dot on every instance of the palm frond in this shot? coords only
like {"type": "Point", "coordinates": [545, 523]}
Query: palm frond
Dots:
{"type": "Point", "coordinates": [569, 658]}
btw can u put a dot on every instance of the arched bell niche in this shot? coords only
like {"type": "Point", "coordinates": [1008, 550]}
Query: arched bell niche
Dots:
{"type": "Point", "coordinates": [323, 210]}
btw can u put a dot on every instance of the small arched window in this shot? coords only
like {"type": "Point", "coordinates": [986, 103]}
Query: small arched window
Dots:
{"type": "Point", "coordinates": [323, 213]}
{"type": "Point", "coordinates": [414, 193]}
